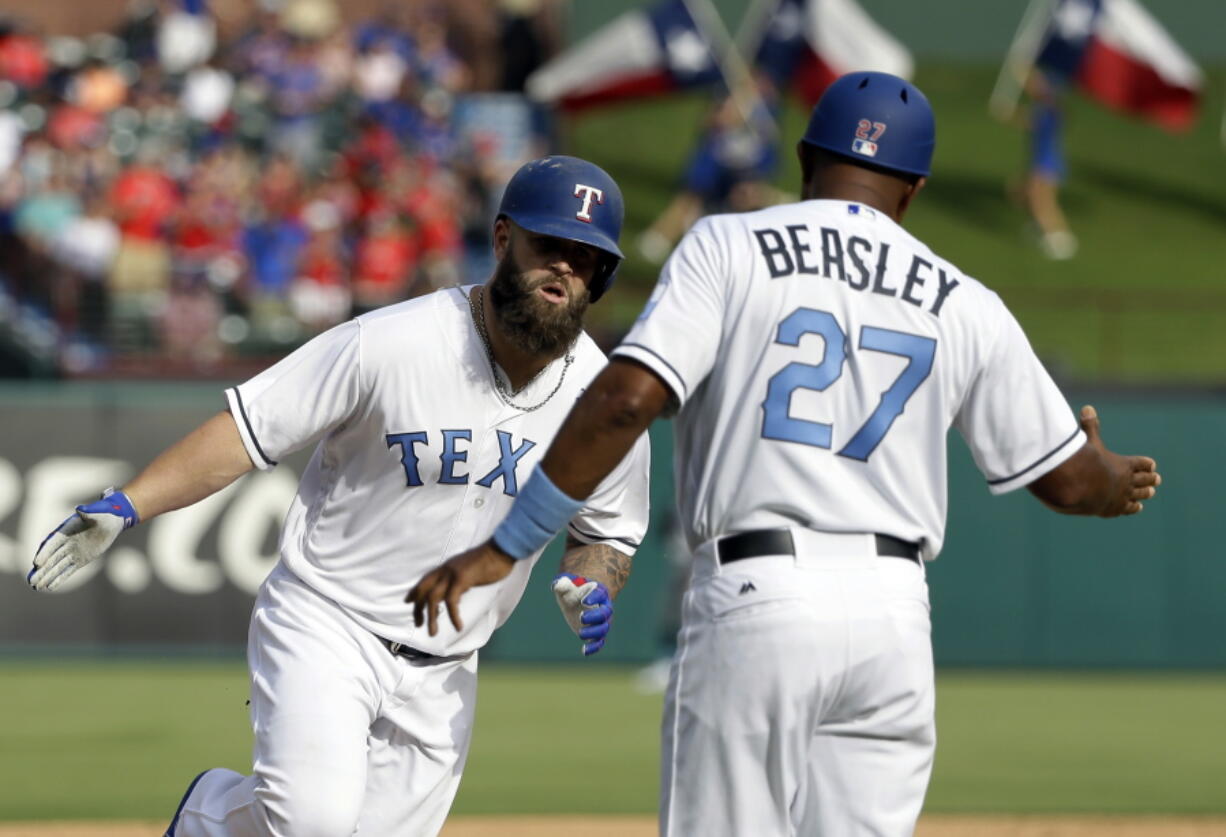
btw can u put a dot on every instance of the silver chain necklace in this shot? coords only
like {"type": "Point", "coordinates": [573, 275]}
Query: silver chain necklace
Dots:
{"type": "Point", "coordinates": [478, 314]}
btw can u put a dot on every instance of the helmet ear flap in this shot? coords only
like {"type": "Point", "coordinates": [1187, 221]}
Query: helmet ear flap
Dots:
{"type": "Point", "coordinates": [602, 280]}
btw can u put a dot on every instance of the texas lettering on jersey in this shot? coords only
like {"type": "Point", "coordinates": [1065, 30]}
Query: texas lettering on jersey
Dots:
{"type": "Point", "coordinates": [798, 249]}
{"type": "Point", "coordinates": [453, 459]}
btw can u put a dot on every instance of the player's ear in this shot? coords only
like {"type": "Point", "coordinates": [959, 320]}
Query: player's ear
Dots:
{"type": "Point", "coordinates": [502, 237]}
{"type": "Point", "coordinates": [804, 153]}
{"type": "Point", "coordinates": [909, 194]}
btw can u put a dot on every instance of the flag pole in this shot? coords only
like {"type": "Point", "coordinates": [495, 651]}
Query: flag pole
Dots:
{"type": "Point", "coordinates": [732, 66]}
{"type": "Point", "coordinates": [754, 24]}
{"type": "Point", "coordinates": [1023, 51]}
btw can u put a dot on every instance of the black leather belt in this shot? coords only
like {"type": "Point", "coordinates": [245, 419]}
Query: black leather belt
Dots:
{"type": "Point", "coordinates": [406, 651]}
{"type": "Point", "coordinates": [759, 542]}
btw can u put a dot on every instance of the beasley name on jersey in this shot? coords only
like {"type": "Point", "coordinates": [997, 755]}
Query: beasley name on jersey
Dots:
{"type": "Point", "coordinates": [862, 263]}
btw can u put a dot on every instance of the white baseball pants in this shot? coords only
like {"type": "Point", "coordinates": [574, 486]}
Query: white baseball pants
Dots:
{"type": "Point", "coordinates": [348, 737]}
{"type": "Point", "coordinates": [801, 698]}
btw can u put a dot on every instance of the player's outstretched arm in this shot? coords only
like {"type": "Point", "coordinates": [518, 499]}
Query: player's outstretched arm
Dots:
{"type": "Point", "coordinates": [205, 461]}
{"type": "Point", "coordinates": [589, 577]}
{"type": "Point", "coordinates": [611, 414]}
{"type": "Point", "coordinates": [1096, 481]}
{"type": "Point", "coordinates": [197, 466]}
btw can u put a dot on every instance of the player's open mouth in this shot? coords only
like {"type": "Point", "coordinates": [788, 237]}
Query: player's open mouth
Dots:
{"type": "Point", "coordinates": [552, 292]}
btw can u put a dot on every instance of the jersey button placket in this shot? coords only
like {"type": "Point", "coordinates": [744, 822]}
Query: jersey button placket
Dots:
{"type": "Point", "coordinates": [473, 510]}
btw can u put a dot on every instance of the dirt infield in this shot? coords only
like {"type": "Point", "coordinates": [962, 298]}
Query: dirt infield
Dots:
{"type": "Point", "coordinates": [932, 826]}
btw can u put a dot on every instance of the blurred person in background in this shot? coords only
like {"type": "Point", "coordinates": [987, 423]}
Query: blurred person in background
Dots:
{"type": "Point", "coordinates": [273, 241]}
{"type": "Point", "coordinates": [143, 199]}
{"type": "Point", "coordinates": [529, 33]}
{"type": "Point", "coordinates": [261, 47]}
{"type": "Point", "coordinates": [23, 57]}
{"type": "Point", "coordinates": [186, 35]}
{"type": "Point", "coordinates": [1046, 170]}
{"type": "Point", "coordinates": [98, 87]}
{"type": "Point", "coordinates": [88, 247]}
{"type": "Point", "coordinates": [187, 323]}
{"type": "Point", "coordinates": [321, 296]}
{"type": "Point", "coordinates": [434, 209]}
{"type": "Point", "coordinates": [380, 67]}
{"type": "Point", "coordinates": [44, 213]}
{"type": "Point", "coordinates": [41, 220]}
{"type": "Point", "coordinates": [729, 170]}
{"type": "Point", "coordinates": [207, 94]}
{"type": "Point", "coordinates": [296, 98]}
{"type": "Point", "coordinates": [385, 262]}
{"type": "Point", "coordinates": [433, 59]}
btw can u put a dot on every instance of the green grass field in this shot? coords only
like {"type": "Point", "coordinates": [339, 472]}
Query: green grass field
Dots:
{"type": "Point", "coordinates": [1143, 302]}
{"type": "Point", "coordinates": [121, 740]}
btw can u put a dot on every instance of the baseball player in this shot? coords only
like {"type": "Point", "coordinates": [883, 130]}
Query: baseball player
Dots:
{"type": "Point", "coordinates": [818, 354]}
{"type": "Point", "coordinates": [426, 417]}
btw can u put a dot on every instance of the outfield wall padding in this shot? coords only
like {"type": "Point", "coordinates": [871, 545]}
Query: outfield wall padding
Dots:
{"type": "Point", "coordinates": [1016, 584]}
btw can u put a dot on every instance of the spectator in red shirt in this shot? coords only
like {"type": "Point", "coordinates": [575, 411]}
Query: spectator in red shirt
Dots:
{"type": "Point", "coordinates": [385, 262]}
{"type": "Point", "coordinates": [22, 60]}
{"type": "Point", "coordinates": [142, 199]}
{"type": "Point", "coordinates": [320, 296]}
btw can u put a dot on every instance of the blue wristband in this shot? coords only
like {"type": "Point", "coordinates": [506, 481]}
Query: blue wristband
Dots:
{"type": "Point", "coordinates": [116, 503]}
{"type": "Point", "coordinates": [540, 511]}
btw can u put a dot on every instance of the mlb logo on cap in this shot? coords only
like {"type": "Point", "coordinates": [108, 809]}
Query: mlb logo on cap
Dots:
{"type": "Point", "coordinates": [866, 147]}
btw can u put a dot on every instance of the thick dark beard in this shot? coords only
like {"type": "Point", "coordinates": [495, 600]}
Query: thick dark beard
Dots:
{"type": "Point", "coordinates": [533, 325]}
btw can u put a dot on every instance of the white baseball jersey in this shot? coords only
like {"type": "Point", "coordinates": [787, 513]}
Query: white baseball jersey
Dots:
{"type": "Point", "coordinates": [418, 458]}
{"type": "Point", "coordinates": [821, 353]}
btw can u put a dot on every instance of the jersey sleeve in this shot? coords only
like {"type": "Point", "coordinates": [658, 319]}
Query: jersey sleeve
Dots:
{"type": "Point", "coordinates": [1014, 418]}
{"type": "Point", "coordinates": [677, 335]}
{"type": "Point", "coordinates": [616, 513]}
{"type": "Point", "coordinates": [301, 397]}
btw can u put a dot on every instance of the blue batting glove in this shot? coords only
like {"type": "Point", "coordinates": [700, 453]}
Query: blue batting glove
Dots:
{"type": "Point", "coordinates": [81, 539]}
{"type": "Point", "coordinates": [587, 607]}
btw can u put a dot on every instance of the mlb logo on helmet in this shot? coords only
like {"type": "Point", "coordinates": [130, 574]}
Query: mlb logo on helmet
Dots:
{"type": "Point", "coordinates": [589, 194]}
{"type": "Point", "coordinates": [866, 147]}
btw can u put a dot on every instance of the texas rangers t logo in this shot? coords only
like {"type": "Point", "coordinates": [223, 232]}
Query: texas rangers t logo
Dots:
{"type": "Point", "coordinates": [588, 193]}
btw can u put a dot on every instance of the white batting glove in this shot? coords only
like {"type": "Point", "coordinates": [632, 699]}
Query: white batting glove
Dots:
{"type": "Point", "coordinates": [80, 539]}
{"type": "Point", "coordinates": [587, 608]}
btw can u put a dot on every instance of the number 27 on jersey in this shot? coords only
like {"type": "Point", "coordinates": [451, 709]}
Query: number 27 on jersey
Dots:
{"type": "Point", "coordinates": [779, 425]}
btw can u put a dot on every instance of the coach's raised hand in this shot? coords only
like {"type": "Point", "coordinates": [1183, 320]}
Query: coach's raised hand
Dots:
{"type": "Point", "coordinates": [1134, 479]}
{"type": "Point", "coordinates": [445, 584]}
{"type": "Point", "coordinates": [1096, 481]}
{"type": "Point", "coordinates": [81, 539]}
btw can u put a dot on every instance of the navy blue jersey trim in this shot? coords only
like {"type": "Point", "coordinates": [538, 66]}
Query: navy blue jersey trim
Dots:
{"type": "Point", "coordinates": [1037, 462]}
{"type": "Point", "coordinates": [590, 536]}
{"type": "Point", "coordinates": [174, 824]}
{"type": "Point", "coordinates": [671, 368]}
{"type": "Point", "coordinates": [238, 397]}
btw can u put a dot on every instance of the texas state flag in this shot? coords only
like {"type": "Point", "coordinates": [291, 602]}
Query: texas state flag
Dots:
{"type": "Point", "coordinates": [644, 52]}
{"type": "Point", "coordinates": [806, 44]}
{"type": "Point", "coordinates": [1122, 57]}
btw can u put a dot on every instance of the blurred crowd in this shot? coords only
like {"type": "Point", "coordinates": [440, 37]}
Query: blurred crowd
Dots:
{"type": "Point", "coordinates": [192, 189]}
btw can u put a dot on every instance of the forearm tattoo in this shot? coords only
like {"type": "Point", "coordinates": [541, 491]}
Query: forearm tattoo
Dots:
{"type": "Point", "coordinates": [597, 561]}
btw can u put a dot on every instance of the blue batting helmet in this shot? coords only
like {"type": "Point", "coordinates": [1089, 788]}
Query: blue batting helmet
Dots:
{"type": "Point", "coordinates": [877, 119]}
{"type": "Point", "coordinates": [566, 197]}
